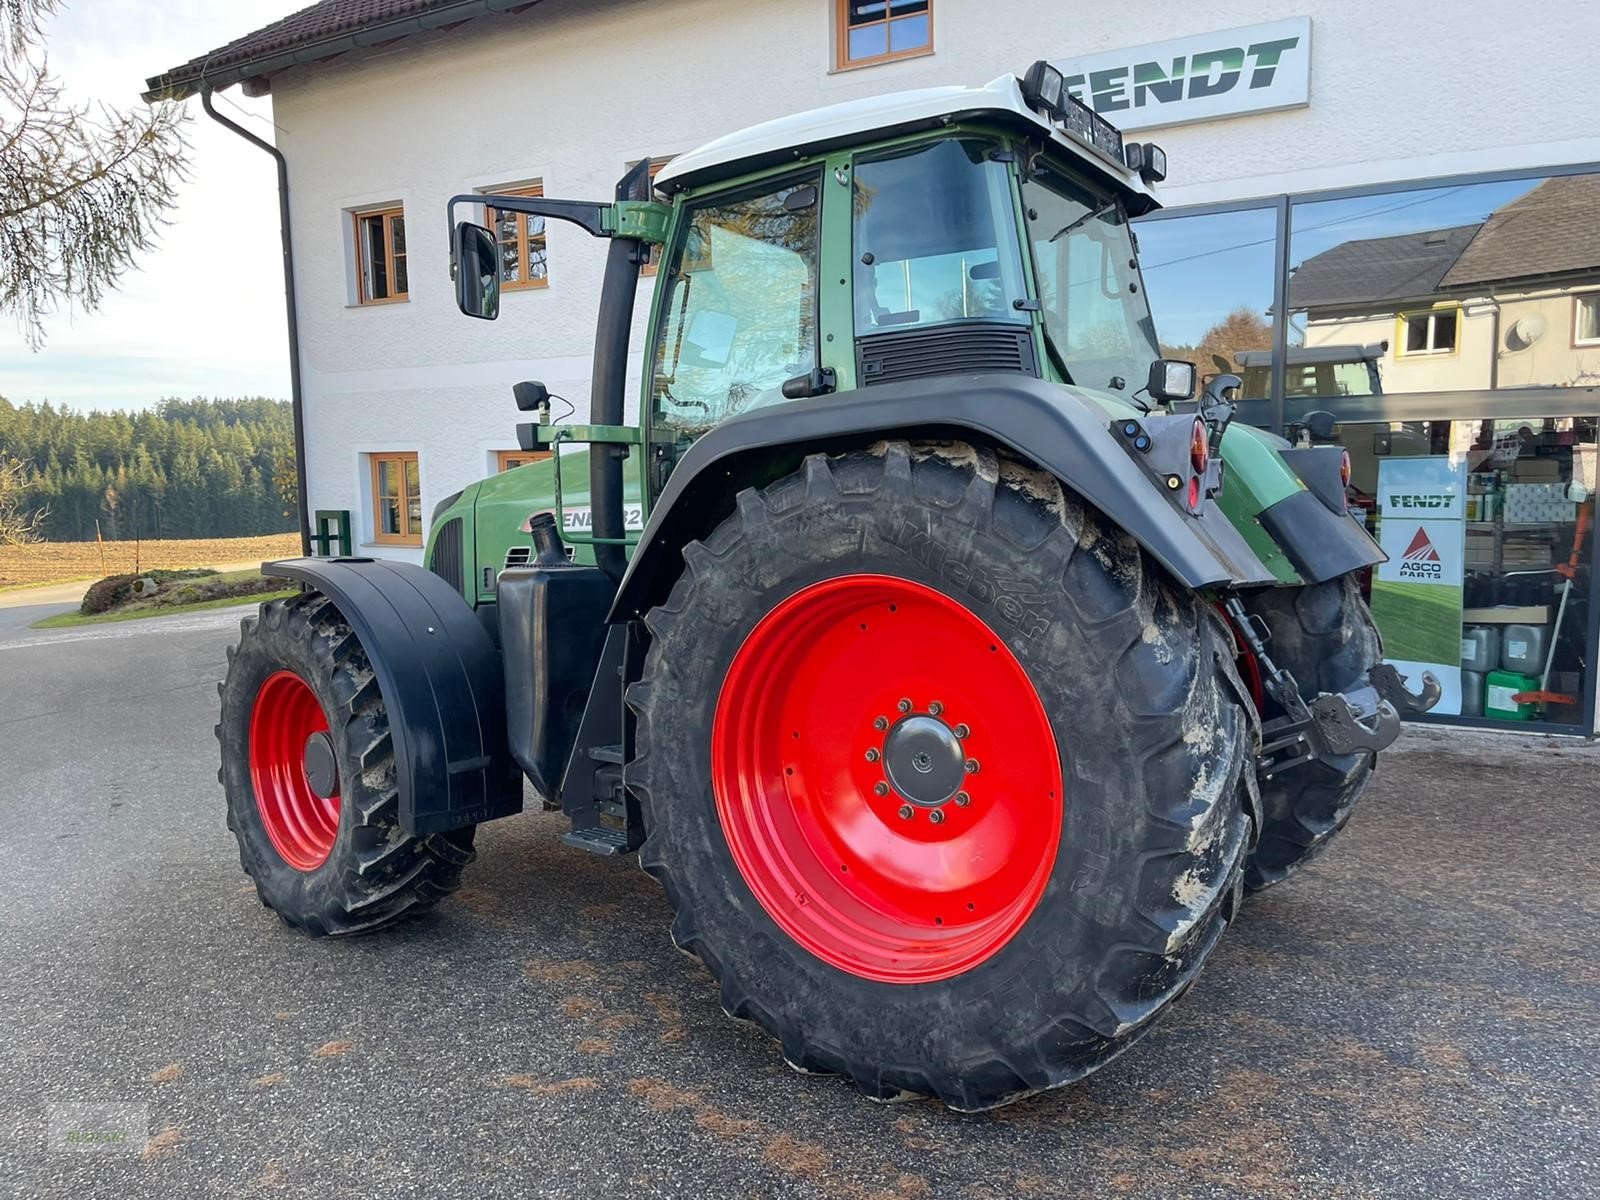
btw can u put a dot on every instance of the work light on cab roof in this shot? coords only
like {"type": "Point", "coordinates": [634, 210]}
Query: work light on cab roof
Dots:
{"type": "Point", "coordinates": [1045, 90]}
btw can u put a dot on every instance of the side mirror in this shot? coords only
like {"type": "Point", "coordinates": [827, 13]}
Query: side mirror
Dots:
{"type": "Point", "coordinates": [1171, 379]}
{"type": "Point", "coordinates": [475, 263]}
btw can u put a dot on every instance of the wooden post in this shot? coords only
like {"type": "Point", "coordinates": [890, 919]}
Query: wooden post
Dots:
{"type": "Point", "coordinates": [99, 541]}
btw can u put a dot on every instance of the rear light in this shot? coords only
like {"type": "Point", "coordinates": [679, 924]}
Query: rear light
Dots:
{"type": "Point", "coordinates": [1344, 468]}
{"type": "Point", "coordinates": [1199, 447]}
{"type": "Point", "coordinates": [1194, 493]}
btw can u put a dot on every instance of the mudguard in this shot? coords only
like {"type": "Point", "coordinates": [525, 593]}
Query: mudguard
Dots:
{"type": "Point", "coordinates": [1043, 422]}
{"type": "Point", "coordinates": [441, 681]}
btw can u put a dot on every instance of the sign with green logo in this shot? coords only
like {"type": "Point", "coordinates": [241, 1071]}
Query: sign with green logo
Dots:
{"type": "Point", "coordinates": [1257, 68]}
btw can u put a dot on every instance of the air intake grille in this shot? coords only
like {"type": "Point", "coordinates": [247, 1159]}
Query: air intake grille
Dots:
{"type": "Point", "coordinates": [944, 350]}
{"type": "Point", "coordinates": [446, 562]}
{"type": "Point", "coordinates": [518, 556]}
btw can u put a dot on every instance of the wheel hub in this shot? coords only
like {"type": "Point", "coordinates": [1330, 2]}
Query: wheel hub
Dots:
{"type": "Point", "coordinates": [322, 772]}
{"type": "Point", "coordinates": [923, 758]}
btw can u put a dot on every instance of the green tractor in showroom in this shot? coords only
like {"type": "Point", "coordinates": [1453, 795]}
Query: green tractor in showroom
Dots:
{"type": "Point", "coordinates": [952, 663]}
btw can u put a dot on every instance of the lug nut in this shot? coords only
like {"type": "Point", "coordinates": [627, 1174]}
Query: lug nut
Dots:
{"type": "Point", "coordinates": [972, 766]}
{"type": "Point", "coordinates": [880, 723]}
{"type": "Point", "coordinates": [904, 706]}
{"type": "Point", "coordinates": [906, 812]}
{"type": "Point", "coordinates": [935, 709]}
{"type": "Point", "coordinates": [962, 799]}
{"type": "Point", "coordinates": [872, 754]}
{"type": "Point", "coordinates": [961, 731]}
{"type": "Point", "coordinates": [936, 816]}
{"type": "Point", "coordinates": [880, 788]}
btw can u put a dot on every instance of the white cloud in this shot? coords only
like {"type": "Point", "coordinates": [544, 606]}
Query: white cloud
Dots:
{"type": "Point", "coordinates": [203, 312]}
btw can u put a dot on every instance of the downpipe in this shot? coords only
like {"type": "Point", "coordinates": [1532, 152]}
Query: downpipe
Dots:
{"type": "Point", "coordinates": [296, 397]}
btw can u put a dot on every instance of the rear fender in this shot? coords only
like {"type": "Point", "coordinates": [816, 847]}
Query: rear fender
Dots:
{"type": "Point", "coordinates": [1040, 422]}
{"type": "Point", "coordinates": [441, 681]}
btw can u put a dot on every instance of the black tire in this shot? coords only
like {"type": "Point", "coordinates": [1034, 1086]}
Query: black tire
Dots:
{"type": "Point", "coordinates": [374, 874]}
{"type": "Point", "coordinates": [1323, 634]}
{"type": "Point", "coordinates": [1155, 730]}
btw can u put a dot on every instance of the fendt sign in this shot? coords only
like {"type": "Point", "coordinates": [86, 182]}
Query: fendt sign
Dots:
{"type": "Point", "coordinates": [1258, 68]}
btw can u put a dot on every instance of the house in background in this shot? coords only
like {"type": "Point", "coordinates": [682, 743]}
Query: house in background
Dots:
{"type": "Point", "coordinates": [1513, 301]}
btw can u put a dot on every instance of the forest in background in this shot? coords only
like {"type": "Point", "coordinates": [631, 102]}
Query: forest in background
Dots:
{"type": "Point", "coordinates": [182, 469]}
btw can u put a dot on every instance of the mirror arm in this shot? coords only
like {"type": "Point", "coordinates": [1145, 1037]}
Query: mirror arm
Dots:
{"type": "Point", "coordinates": [589, 214]}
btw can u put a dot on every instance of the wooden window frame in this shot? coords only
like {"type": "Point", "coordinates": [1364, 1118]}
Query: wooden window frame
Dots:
{"type": "Point", "coordinates": [388, 215]}
{"type": "Point", "coordinates": [527, 283]}
{"type": "Point", "coordinates": [408, 536]}
{"type": "Point", "coordinates": [841, 38]}
{"type": "Point", "coordinates": [1403, 318]}
{"type": "Point", "coordinates": [528, 456]}
{"type": "Point", "coordinates": [1579, 300]}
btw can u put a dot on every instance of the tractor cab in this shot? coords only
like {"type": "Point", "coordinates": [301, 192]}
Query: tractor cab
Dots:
{"type": "Point", "coordinates": [929, 234]}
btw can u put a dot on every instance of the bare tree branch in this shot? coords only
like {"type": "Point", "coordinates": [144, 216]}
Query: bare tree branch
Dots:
{"type": "Point", "coordinates": [18, 526]}
{"type": "Point", "coordinates": [84, 189]}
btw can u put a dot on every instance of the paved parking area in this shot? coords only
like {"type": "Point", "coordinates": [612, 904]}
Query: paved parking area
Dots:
{"type": "Point", "coordinates": [1417, 1015]}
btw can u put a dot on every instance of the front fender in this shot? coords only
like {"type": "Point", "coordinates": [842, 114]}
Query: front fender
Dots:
{"type": "Point", "coordinates": [441, 681]}
{"type": "Point", "coordinates": [1045, 423]}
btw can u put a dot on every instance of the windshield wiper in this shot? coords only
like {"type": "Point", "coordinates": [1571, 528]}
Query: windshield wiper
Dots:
{"type": "Point", "coordinates": [1083, 220]}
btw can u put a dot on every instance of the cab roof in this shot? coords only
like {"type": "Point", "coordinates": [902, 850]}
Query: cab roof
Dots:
{"type": "Point", "coordinates": [876, 117]}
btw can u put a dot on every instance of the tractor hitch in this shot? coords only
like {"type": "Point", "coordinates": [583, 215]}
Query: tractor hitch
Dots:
{"type": "Point", "coordinates": [1363, 720]}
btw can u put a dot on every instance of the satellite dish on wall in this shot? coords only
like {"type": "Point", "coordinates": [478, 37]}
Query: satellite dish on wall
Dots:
{"type": "Point", "coordinates": [1526, 330]}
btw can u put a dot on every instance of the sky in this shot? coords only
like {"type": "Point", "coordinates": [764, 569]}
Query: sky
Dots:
{"type": "Point", "coordinates": [203, 312]}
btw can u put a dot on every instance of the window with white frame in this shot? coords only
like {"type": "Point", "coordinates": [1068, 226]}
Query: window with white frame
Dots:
{"type": "Point", "coordinates": [1434, 331]}
{"type": "Point", "coordinates": [1586, 329]}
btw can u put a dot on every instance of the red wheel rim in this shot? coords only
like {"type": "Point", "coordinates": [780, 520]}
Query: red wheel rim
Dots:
{"type": "Point", "coordinates": [1249, 664]}
{"type": "Point", "coordinates": [301, 824]}
{"type": "Point", "coordinates": [815, 756]}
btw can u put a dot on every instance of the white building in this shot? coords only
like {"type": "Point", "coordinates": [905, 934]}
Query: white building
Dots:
{"type": "Point", "coordinates": [1293, 128]}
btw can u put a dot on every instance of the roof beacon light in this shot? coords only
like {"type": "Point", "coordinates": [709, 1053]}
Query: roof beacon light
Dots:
{"type": "Point", "coordinates": [1148, 159]}
{"type": "Point", "coordinates": [1044, 89]}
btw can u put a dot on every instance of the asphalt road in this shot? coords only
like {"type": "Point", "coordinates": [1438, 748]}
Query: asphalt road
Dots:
{"type": "Point", "coordinates": [1416, 1015]}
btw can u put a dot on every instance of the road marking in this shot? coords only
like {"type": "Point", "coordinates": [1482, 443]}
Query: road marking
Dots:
{"type": "Point", "coordinates": [220, 618]}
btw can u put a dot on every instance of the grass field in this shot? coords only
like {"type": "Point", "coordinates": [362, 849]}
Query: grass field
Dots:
{"type": "Point", "coordinates": [1420, 622]}
{"type": "Point", "coordinates": [172, 599]}
{"type": "Point", "coordinates": [63, 562]}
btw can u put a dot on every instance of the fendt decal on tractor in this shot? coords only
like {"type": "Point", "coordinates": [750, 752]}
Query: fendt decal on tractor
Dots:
{"type": "Point", "coordinates": [953, 664]}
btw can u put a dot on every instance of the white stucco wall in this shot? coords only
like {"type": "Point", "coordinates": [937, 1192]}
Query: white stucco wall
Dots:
{"type": "Point", "coordinates": [570, 91]}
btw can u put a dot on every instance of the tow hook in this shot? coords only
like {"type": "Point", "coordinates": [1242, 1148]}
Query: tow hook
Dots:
{"type": "Point", "coordinates": [1391, 685]}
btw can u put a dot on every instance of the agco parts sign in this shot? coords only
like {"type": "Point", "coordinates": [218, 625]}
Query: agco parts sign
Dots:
{"type": "Point", "coordinates": [1417, 594]}
{"type": "Point", "coordinates": [1257, 68]}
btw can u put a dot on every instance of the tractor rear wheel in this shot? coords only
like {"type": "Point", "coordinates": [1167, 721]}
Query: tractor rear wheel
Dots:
{"type": "Point", "coordinates": [1322, 634]}
{"type": "Point", "coordinates": [308, 768]}
{"type": "Point", "coordinates": [947, 784]}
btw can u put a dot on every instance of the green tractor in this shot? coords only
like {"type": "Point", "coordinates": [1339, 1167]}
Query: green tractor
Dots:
{"type": "Point", "coordinates": [951, 662]}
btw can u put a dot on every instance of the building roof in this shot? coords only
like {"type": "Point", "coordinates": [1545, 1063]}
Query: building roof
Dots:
{"type": "Point", "coordinates": [321, 31]}
{"type": "Point", "coordinates": [1403, 267]}
{"type": "Point", "coordinates": [1553, 229]}
{"type": "Point", "coordinates": [853, 121]}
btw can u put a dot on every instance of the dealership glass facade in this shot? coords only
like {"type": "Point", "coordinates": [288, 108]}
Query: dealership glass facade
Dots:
{"type": "Point", "coordinates": [1452, 326]}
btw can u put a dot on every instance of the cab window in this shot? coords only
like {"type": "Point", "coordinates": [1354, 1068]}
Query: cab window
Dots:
{"type": "Point", "coordinates": [935, 238]}
{"type": "Point", "coordinates": [739, 313]}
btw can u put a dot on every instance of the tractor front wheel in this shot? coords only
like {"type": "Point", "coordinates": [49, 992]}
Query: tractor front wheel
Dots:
{"type": "Point", "coordinates": [947, 784]}
{"type": "Point", "coordinates": [308, 768]}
